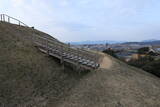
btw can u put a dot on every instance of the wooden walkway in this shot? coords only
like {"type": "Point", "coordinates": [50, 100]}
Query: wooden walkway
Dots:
{"type": "Point", "coordinates": [64, 52]}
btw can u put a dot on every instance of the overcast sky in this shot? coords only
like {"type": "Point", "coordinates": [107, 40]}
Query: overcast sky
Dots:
{"type": "Point", "coordinates": [81, 20]}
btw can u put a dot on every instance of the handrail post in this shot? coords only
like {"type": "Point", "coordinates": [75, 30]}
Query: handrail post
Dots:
{"type": "Point", "coordinates": [47, 46]}
{"type": "Point", "coordinates": [78, 65]}
{"type": "Point", "coordinates": [69, 48]}
{"type": "Point", "coordinates": [1, 17]}
{"type": "Point", "coordinates": [62, 58]}
{"type": "Point", "coordinates": [78, 54]}
{"type": "Point", "coordinates": [96, 57]}
{"type": "Point", "coordinates": [19, 23]}
{"type": "Point", "coordinates": [8, 19]}
{"type": "Point", "coordinates": [4, 17]}
{"type": "Point", "coordinates": [61, 54]}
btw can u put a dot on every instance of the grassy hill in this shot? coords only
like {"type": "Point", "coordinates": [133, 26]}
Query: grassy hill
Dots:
{"type": "Point", "coordinates": [29, 78]}
{"type": "Point", "coordinates": [120, 85]}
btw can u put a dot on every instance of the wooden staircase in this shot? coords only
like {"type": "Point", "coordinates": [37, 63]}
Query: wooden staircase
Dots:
{"type": "Point", "coordinates": [64, 52]}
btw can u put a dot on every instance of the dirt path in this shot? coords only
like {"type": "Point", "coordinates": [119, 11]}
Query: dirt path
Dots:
{"type": "Point", "coordinates": [106, 62]}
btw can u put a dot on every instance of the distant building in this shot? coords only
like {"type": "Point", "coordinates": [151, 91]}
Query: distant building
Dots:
{"type": "Point", "coordinates": [157, 49]}
{"type": "Point", "coordinates": [137, 56]}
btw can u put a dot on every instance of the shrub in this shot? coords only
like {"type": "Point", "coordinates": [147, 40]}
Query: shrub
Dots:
{"type": "Point", "coordinates": [110, 52]}
{"type": "Point", "coordinates": [153, 67]}
{"type": "Point", "coordinates": [141, 61]}
{"type": "Point", "coordinates": [143, 50]}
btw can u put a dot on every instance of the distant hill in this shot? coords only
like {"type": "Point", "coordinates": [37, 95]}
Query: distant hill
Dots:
{"type": "Point", "coordinates": [144, 42]}
{"type": "Point", "coordinates": [149, 40]}
{"type": "Point", "coordinates": [96, 42]}
{"type": "Point", "coordinates": [154, 42]}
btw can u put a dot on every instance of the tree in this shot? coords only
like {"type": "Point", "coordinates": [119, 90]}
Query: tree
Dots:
{"type": "Point", "coordinates": [143, 50]}
{"type": "Point", "coordinates": [141, 61]}
{"type": "Point", "coordinates": [153, 67]}
{"type": "Point", "coordinates": [110, 52]}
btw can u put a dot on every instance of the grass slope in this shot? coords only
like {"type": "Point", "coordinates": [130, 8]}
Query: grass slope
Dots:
{"type": "Point", "coordinates": [28, 77]}
{"type": "Point", "coordinates": [119, 86]}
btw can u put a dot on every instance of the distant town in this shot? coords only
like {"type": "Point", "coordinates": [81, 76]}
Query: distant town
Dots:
{"type": "Point", "coordinates": [128, 50]}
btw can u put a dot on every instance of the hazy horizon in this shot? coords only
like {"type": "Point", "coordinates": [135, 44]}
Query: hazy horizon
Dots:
{"type": "Point", "coordinates": [115, 40]}
{"type": "Point", "coordinates": [74, 21]}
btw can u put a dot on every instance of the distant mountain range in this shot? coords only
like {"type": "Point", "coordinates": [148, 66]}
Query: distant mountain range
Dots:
{"type": "Point", "coordinates": [150, 40]}
{"type": "Point", "coordinates": [144, 42]}
{"type": "Point", "coordinates": [96, 42]}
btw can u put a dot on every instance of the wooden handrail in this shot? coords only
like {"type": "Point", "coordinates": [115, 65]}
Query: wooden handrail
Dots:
{"type": "Point", "coordinates": [51, 43]}
{"type": "Point", "coordinates": [82, 53]}
{"type": "Point", "coordinates": [6, 18]}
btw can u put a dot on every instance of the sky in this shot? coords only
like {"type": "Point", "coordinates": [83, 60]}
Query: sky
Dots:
{"type": "Point", "coordinates": [82, 20]}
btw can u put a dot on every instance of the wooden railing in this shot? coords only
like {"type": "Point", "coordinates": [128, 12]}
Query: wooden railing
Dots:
{"type": "Point", "coordinates": [67, 53]}
{"type": "Point", "coordinates": [9, 19]}
{"type": "Point", "coordinates": [55, 48]}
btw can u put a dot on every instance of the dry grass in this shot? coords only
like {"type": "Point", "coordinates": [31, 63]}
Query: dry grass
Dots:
{"type": "Point", "coordinates": [29, 78]}
{"type": "Point", "coordinates": [119, 86]}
